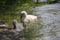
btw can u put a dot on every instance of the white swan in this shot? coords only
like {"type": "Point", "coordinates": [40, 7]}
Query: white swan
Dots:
{"type": "Point", "coordinates": [28, 19]}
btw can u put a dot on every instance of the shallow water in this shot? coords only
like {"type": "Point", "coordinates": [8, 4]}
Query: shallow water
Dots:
{"type": "Point", "coordinates": [50, 18]}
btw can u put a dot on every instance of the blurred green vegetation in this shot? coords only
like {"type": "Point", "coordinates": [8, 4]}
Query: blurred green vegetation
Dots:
{"type": "Point", "coordinates": [53, 1]}
{"type": "Point", "coordinates": [9, 18]}
{"type": "Point", "coordinates": [40, 4]}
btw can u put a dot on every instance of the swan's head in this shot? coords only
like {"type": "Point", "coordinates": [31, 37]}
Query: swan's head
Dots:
{"type": "Point", "coordinates": [23, 14]}
{"type": "Point", "coordinates": [15, 21]}
{"type": "Point", "coordinates": [14, 24]}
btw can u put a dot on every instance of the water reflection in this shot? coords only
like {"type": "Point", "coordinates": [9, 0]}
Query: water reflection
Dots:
{"type": "Point", "coordinates": [50, 18]}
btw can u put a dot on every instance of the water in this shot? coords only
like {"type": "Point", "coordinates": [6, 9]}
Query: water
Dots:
{"type": "Point", "coordinates": [50, 18]}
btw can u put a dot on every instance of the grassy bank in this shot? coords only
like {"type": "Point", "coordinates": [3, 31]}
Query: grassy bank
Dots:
{"type": "Point", "coordinates": [9, 18]}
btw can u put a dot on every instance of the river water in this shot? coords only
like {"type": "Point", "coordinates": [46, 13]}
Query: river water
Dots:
{"type": "Point", "coordinates": [50, 18]}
